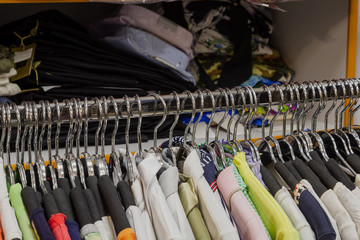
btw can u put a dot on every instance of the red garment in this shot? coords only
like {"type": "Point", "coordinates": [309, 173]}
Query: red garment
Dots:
{"type": "Point", "coordinates": [58, 227]}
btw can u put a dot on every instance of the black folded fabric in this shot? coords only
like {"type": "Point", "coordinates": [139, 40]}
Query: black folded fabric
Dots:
{"type": "Point", "coordinates": [72, 58]}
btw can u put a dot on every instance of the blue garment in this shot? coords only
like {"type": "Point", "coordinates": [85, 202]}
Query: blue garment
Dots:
{"type": "Point", "coordinates": [254, 79]}
{"type": "Point", "coordinates": [37, 217]}
{"type": "Point", "coordinates": [314, 214]}
{"type": "Point", "coordinates": [73, 229]}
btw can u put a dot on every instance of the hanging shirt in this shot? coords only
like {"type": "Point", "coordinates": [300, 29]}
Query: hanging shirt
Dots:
{"type": "Point", "coordinates": [136, 189]}
{"type": "Point", "coordinates": [40, 224]}
{"type": "Point", "coordinates": [133, 214]}
{"type": "Point", "coordinates": [254, 165]}
{"type": "Point", "coordinates": [9, 224]}
{"type": "Point", "coordinates": [339, 217]}
{"type": "Point", "coordinates": [247, 220]}
{"type": "Point", "coordinates": [356, 192]}
{"type": "Point", "coordinates": [189, 201]}
{"type": "Point", "coordinates": [274, 217]}
{"type": "Point", "coordinates": [215, 217]}
{"type": "Point", "coordinates": [20, 212]}
{"type": "Point", "coordinates": [287, 203]}
{"type": "Point", "coordinates": [73, 229]}
{"type": "Point", "coordinates": [208, 165]}
{"type": "Point", "coordinates": [350, 202]}
{"type": "Point", "coordinates": [168, 181]}
{"type": "Point", "coordinates": [90, 232]}
{"type": "Point", "coordinates": [162, 219]}
{"type": "Point", "coordinates": [314, 213]}
{"type": "Point", "coordinates": [58, 227]}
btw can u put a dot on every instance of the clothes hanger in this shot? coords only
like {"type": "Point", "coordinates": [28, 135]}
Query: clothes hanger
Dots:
{"type": "Point", "coordinates": [248, 121]}
{"type": "Point", "coordinates": [297, 114]}
{"type": "Point", "coordinates": [270, 136]}
{"type": "Point", "coordinates": [19, 167]}
{"type": "Point", "coordinates": [342, 144]}
{"type": "Point", "coordinates": [216, 144]}
{"type": "Point", "coordinates": [228, 132]}
{"type": "Point", "coordinates": [101, 165]}
{"type": "Point", "coordinates": [234, 142]}
{"type": "Point", "coordinates": [169, 150]}
{"type": "Point", "coordinates": [262, 143]}
{"type": "Point", "coordinates": [283, 142]}
{"type": "Point", "coordinates": [155, 149]}
{"type": "Point", "coordinates": [206, 146]}
{"type": "Point", "coordinates": [201, 97]}
{"type": "Point", "coordinates": [325, 134]}
{"type": "Point", "coordinates": [8, 170]}
{"type": "Point", "coordinates": [29, 141]}
{"type": "Point", "coordinates": [114, 161]}
{"type": "Point", "coordinates": [85, 156]}
{"type": "Point", "coordinates": [353, 136]}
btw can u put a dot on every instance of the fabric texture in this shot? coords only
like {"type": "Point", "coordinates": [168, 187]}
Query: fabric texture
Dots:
{"type": "Point", "coordinates": [296, 217]}
{"type": "Point", "coordinates": [73, 229]}
{"type": "Point", "coordinates": [58, 227]}
{"type": "Point", "coordinates": [248, 222]}
{"type": "Point", "coordinates": [350, 202]}
{"type": "Point", "coordinates": [136, 189]}
{"type": "Point", "coordinates": [20, 212]}
{"type": "Point", "coordinates": [189, 201]}
{"type": "Point", "coordinates": [334, 216]}
{"type": "Point", "coordinates": [104, 233]}
{"type": "Point", "coordinates": [215, 217]}
{"type": "Point", "coordinates": [357, 180]}
{"type": "Point", "coordinates": [162, 219]}
{"type": "Point", "coordinates": [40, 224]}
{"type": "Point", "coordinates": [313, 213]}
{"type": "Point", "coordinates": [169, 184]}
{"type": "Point", "coordinates": [88, 229]}
{"type": "Point", "coordinates": [274, 217]}
{"type": "Point", "coordinates": [93, 236]}
{"type": "Point", "coordinates": [356, 192]}
{"type": "Point", "coordinates": [133, 214]}
{"type": "Point", "coordinates": [109, 226]}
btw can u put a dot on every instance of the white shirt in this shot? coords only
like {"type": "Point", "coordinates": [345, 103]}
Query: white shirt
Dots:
{"type": "Point", "coordinates": [134, 216]}
{"type": "Point", "coordinates": [169, 184]}
{"type": "Point", "coordinates": [287, 203]}
{"type": "Point", "coordinates": [160, 213]}
{"type": "Point", "coordinates": [215, 218]}
{"type": "Point", "coordinates": [350, 202]}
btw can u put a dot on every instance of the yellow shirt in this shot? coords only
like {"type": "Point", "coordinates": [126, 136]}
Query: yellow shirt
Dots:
{"type": "Point", "coordinates": [273, 216]}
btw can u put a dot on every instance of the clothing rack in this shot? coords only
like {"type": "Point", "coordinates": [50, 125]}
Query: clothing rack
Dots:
{"type": "Point", "coordinates": [151, 105]}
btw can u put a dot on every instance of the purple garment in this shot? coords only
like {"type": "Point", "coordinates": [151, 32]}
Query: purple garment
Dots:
{"type": "Point", "coordinates": [145, 19]}
{"type": "Point", "coordinates": [254, 165]}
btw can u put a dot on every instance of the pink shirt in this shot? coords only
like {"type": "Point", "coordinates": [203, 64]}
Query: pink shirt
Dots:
{"type": "Point", "coordinates": [248, 222]}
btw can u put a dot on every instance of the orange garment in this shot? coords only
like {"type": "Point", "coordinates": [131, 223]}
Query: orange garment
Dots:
{"type": "Point", "coordinates": [127, 234]}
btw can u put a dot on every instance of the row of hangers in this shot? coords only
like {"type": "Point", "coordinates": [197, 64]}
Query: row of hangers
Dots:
{"type": "Point", "coordinates": [77, 166]}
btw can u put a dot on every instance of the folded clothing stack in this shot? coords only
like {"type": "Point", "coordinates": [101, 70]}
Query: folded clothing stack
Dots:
{"type": "Point", "coordinates": [7, 71]}
{"type": "Point", "coordinates": [142, 32]}
{"type": "Point", "coordinates": [73, 63]}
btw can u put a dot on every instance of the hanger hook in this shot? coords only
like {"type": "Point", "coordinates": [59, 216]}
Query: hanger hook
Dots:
{"type": "Point", "coordinates": [201, 96]}
{"type": "Point", "coordinates": [335, 97]}
{"type": "Point", "coordinates": [255, 107]}
{"type": "Point", "coordinates": [49, 122]}
{"type": "Point", "coordinates": [319, 107]}
{"type": "Point", "coordinates": [104, 126]}
{"type": "Point", "coordinates": [177, 115]}
{"type": "Point", "coordinates": [223, 93]}
{"type": "Point", "coordinates": [116, 124]}
{"type": "Point", "coordinates": [128, 122]}
{"type": "Point", "coordinates": [288, 89]}
{"type": "Point", "coordinates": [18, 132]}
{"type": "Point", "coordinates": [213, 109]}
{"type": "Point", "coordinates": [138, 128]}
{"type": "Point", "coordinates": [193, 107]}
{"type": "Point", "coordinates": [71, 122]}
{"type": "Point", "coordinates": [26, 128]}
{"type": "Point", "coordinates": [350, 84]}
{"type": "Point", "coordinates": [343, 89]}
{"type": "Point", "coordinates": [158, 97]}
{"type": "Point", "coordinates": [267, 90]}
{"type": "Point", "coordinates": [232, 103]}
{"type": "Point", "coordinates": [100, 119]}
{"type": "Point", "coordinates": [8, 122]}
{"type": "Point", "coordinates": [242, 107]}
